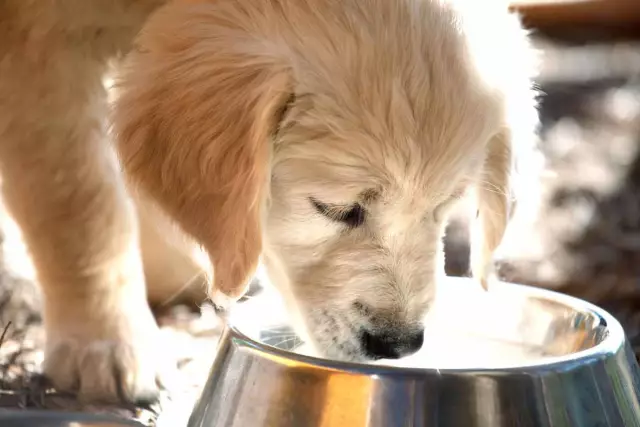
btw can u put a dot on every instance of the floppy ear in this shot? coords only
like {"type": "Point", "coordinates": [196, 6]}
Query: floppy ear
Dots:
{"type": "Point", "coordinates": [196, 108]}
{"type": "Point", "coordinates": [495, 205]}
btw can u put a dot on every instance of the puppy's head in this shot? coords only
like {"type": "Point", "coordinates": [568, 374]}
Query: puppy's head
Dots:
{"type": "Point", "coordinates": [330, 138]}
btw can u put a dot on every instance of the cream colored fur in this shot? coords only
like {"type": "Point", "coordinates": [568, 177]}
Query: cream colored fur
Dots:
{"type": "Point", "coordinates": [63, 185]}
{"type": "Point", "coordinates": [233, 118]}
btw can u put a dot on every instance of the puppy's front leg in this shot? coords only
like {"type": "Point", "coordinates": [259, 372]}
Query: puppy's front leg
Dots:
{"type": "Point", "coordinates": [63, 186]}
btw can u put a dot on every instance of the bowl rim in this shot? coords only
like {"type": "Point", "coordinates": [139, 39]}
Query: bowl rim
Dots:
{"type": "Point", "coordinates": [613, 342]}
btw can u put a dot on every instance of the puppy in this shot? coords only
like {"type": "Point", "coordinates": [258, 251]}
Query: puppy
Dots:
{"type": "Point", "coordinates": [326, 138]}
{"type": "Point", "coordinates": [331, 139]}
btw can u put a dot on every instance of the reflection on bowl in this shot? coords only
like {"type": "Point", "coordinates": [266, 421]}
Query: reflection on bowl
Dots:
{"type": "Point", "coordinates": [513, 356]}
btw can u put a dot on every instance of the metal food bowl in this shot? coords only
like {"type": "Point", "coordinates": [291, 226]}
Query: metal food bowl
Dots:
{"type": "Point", "coordinates": [514, 356]}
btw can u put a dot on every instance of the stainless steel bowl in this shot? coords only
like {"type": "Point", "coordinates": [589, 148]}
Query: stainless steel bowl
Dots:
{"type": "Point", "coordinates": [513, 356]}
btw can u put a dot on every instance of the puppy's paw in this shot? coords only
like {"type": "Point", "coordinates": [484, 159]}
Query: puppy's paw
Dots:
{"type": "Point", "coordinates": [109, 357]}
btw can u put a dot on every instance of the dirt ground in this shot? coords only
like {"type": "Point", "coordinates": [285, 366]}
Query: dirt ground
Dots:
{"type": "Point", "coordinates": [580, 233]}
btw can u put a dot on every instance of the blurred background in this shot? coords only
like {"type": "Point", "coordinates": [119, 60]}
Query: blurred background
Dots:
{"type": "Point", "coordinates": [578, 233]}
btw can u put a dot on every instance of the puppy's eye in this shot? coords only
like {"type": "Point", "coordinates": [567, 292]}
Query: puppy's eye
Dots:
{"type": "Point", "coordinates": [352, 215]}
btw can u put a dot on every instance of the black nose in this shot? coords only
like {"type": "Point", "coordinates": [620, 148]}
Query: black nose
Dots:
{"type": "Point", "coordinates": [391, 345]}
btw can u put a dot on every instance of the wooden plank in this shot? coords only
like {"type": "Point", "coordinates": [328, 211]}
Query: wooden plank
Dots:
{"type": "Point", "coordinates": [544, 13]}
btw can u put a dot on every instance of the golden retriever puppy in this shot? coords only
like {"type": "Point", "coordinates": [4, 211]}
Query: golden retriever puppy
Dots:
{"type": "Point", "coordinates": [329, 139]}
{"type": "Point", "coordinates": [326, 138]}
